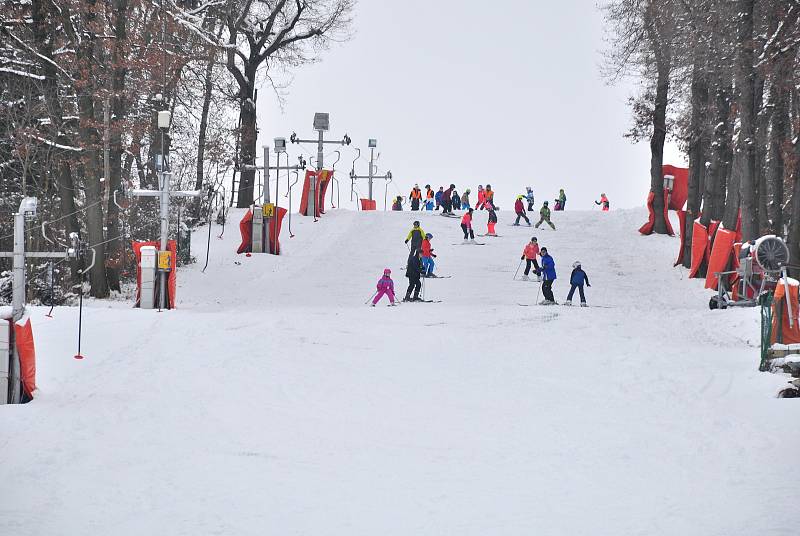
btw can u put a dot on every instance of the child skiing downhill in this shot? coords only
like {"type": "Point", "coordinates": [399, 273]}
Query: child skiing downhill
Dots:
{"type": "Point", "coordinates": [529, 198]}
{"type": "Point", "coordinates": [427, 256]}
{"type": "Point", "coordinates": [416, 235]}
{"type": "Point", "coordinates": [519, 208]}
{"type": "Point", "coordinates": [438, 198]}
{"type": "Point", "coordinates": [481, 198]}
{"type": "Point", "coordinates": [529, 255]}
{"type": "Point", "coordinates": [492, 220]}
{"type": "Point", "coordinates": [385, 286]}
{"type": "Point", "coordinates": [544, 215]}
{"type": "Point", "coordinates": [548, 276]}
{"type": "Point", "coordinates": [456, 203]}
{"type": "Point", "coordinates": [414, 271]}
{"type": "Point", "coordinates": [466, 226]}
{"type": "Point", "coordinates": [576, 280]}
{"type": "Point", "coordinates": [603, 202]}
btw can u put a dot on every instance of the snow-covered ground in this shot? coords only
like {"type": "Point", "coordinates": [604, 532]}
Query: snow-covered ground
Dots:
{"type": "Point", "coordinates": [273, 401]}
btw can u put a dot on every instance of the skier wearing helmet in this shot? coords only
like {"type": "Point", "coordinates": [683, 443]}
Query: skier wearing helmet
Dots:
{"type": "Point", "coordinates": [529, 198]}
{"type": "Point", "coordinates": [544, 214]}
{"type": "Point", "coordinates": [415, 197]}
{"type": "Point", "coordinates": [465, 199]}
{"type": "Point", "coordinates": [519, 208]}
{"type": "Point", "coordinates": [427, 256]}
{"type": "Point", "coordinates": [576, 280]}
{"type": "Point", "coordinates": [385, 287]}
{"type": "Point", "coordinates": [415, 235]}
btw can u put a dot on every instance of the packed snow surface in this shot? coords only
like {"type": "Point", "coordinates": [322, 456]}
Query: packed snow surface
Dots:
{"type": "Point", "coordinates": [273, 401]}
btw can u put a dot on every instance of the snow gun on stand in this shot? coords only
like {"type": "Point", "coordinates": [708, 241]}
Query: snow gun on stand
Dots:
{"type": "Point", "coordinates": [758, 267]}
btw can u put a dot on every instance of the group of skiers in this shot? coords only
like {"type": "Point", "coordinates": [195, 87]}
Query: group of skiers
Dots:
{"type": "Point", "coordinates": [421, 264]}
{"type": "Point", "coordinates": [446, 200]}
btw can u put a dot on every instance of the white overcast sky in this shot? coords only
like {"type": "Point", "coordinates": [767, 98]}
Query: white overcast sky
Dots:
{"type": "Point", "coordinates": [506, 93]}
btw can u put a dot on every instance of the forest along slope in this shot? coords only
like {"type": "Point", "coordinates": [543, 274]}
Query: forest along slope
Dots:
{"type": "Point", "coordinates": [273, 397]}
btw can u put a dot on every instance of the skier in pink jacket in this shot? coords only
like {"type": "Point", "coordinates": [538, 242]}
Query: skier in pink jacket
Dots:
{"type": "Point", "coordinates": [385, 286]}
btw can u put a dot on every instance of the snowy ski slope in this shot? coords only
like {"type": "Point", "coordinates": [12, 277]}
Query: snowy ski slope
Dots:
{"type": "Point", "coordinates": [273, 401]}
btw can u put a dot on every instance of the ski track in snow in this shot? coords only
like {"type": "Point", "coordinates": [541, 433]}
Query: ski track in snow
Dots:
{"type": "Point", "coordinates": [273, 401]}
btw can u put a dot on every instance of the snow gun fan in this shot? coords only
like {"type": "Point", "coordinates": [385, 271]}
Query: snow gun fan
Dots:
{"type": "Point", "coordinates": [757, 268]}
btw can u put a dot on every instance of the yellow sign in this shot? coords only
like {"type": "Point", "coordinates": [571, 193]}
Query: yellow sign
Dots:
{"type": "Point", "coordinates": [269, 210]}
{"type": "Point", "coordinates": [165, 260]}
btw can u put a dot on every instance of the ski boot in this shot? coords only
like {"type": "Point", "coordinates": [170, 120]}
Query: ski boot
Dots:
{"type": "Point", "coordinates": [568, 302]}
{"type": "Point", "coordinates": [525, 278]}
{"type": "Point", "coordinates": [584, 304]}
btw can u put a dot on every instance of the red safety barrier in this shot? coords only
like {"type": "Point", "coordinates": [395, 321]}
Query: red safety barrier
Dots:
{"type": "Point", "coordinates": [23, 337]}
{"type": "Point", "coordinates": [173, 273]}
{"type": "Point", "coordinates": [369, 204]}
{"type": "Point", "coordinates": [720, 256]}
{"type": "Point", "coordinates": [699, 248]}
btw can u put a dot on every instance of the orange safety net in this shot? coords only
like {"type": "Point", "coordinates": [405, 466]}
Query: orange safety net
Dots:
{"type": "Point", "coordinates": [782, 332]}
{"type": "Point", "coordinates": [23, 337]}
{"type": "Point", "coordinates": [173, 273]}
{"type": "Point", "coordinates": [720, 255]}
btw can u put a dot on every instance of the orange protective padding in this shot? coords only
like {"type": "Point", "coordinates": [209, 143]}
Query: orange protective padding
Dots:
{"type": "Point", "coordinates": [275, 230]}
{"type": "Point", "coordinates": [789, 335]}
{"type": "Point", "coordinates": [172, 246]}
{"type": "Point", "coordinates": [246, 230]}
{"type": "Point", "coordinates": [680, 188]}
{"type": "Point", "coordinates": [647, 228]}
{"type": "Point", "coordinates": [682, 223]}
{"type": "Point", "coordinates": [325, 177]}
{"type": "Point", "coordinates": [720, 255]}
{"type": "Point", "coordinates": [23, 337]}
{"type": "Point", "coordinates": [737, 248]}
{"type": "Point", "coordinates": [490, 226]}
{"type": "Point", "coordinates": [369, 204]}
{"type": "Point", "coordinates": [699, 248]}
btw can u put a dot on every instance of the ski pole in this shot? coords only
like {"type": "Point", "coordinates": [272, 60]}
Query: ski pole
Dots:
{"type": "Point", "coordinates": [373, 295]}
{"type": "Point", "coordinates": [515, 273]}
{"type": "Point", "coordinates": [537, 294]}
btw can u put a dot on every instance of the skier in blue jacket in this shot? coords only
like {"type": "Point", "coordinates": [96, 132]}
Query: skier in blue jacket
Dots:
{"type": "Point", "coordinates": [576, 280]}
{"type": "Point", "coordinates": [548, 276]}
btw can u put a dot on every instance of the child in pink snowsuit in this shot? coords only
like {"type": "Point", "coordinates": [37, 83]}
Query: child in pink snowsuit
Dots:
{"type": "Point", "coordinates": [385, 286]}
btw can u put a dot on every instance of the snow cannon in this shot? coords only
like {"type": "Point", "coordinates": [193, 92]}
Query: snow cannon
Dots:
{"type": "Point", "coordinates": [757, 267]}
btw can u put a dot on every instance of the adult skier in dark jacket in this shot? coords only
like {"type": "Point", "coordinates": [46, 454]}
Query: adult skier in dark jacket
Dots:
{"type": "Point", "coordinates": [447, 200]}
{"type": "Point", "coordinates": [416, 235]}
{"type": "Point", "coordinates": [548, 276]}
{"type": "Point", "coordinates": [414, 271]}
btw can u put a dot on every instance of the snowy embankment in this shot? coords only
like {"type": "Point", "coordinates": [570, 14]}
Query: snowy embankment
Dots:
{"type": "Point", "coordinates": [273, 401]}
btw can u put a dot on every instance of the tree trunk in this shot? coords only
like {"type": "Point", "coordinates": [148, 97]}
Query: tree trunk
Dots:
{"type": "Point", "coordinates": [658, 138]}
{"type": "Point", "coordinates": [247, 147]}
{"type": "Point", "coordinates": [743, 171]}
{"type": "Point", "coordinates": [794, 228]}
{"type": "Point", "coordinates": [201, 138]}
{"type": "Point", "coordinates": [779, 141]}
{"type": "Point", "coordinates": [697, 152]}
